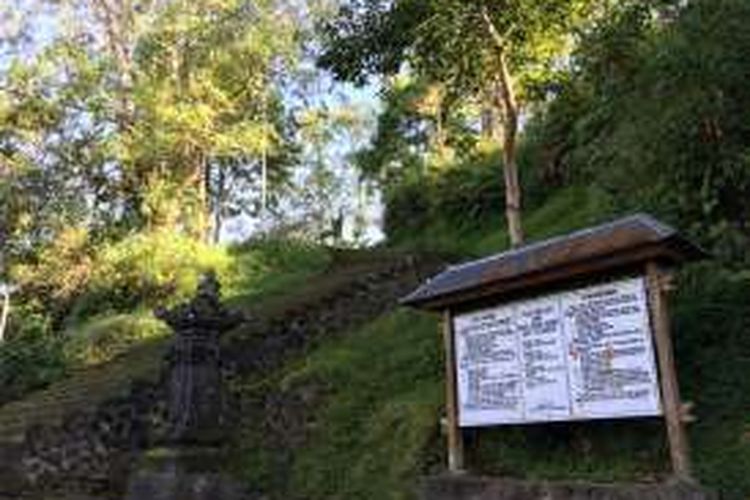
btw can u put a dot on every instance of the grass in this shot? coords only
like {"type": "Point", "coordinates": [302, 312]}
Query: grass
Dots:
{"type": "Point", "coordinates": [712, 344]}
{"type": "Point", "coordinates": [358, 417]}
{"type": "Point", "coordinates": [102, 339]}
{"type": "Point", "coordinates": [270, 268]}
{"type": "Point", "coordinates": [82, 390]}
{"type": "Point", "coordinates": [376, 412]}
{"type": "Point", "coordinates": [375, 429]}
{"type": "Point", "coordinates": [370, 428]}
{"type": "Point", "coordinates": [384, 377]}
{"type": "Point", "coordinates": [571, 208]}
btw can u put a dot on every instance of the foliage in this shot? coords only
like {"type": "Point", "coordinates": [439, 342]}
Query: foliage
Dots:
{"type": "Point", "coordinates": [59, 273]}
{"type": "Point", "coordinates": [501, 55]}
{"type": "Point", "coordinates": [567, 209]}
{"type": "Point", "coordinates": [147, 270]}
{"type": "Point", "coordinates": [107, 315]}
{"type": "Point", "coordinates": [652, 116]}
{"type": "Point", "coordinates": [103, 338]}
{"type": "Point", "coordinates": [29, 358]}
{"type": "Point", "coordinates": [80, 287]}
{"type": "Point", "coordinates": [713, 352]}
{"type": "Point", "coordinates": [46, 162]}
{"type": "Point", "coordinates": [143, 116]}
{"type": "Point", "coordinates": [417, 132]}
{"type": "Point", "coordinates": [208, 116]}
{"type": "Point", "coordinates": [115, 151]}
{"type": "Point", "coordinates": [446, 40]}
{"type": "Point", "coordinates": [463, 193]}
{"type": "Point", "coordinates": [269, 267]}
{"type": "Point", "coordinates": [74, 280]}
{"type": "Point", "coordinates": [375, 430]}
{"type": "Point", "coordinates": [325, 185]}
{"type": "Point", "coordinates": [453, 207]}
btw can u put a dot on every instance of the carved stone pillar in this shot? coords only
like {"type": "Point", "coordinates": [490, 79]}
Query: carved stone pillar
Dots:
{"type": "Point", "coordinates": [195, 396]}
{"type": "Point", "coordinates": [189, 465]}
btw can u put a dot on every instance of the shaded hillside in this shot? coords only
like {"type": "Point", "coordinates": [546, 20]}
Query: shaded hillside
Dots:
{"type": "Point", "coordinates": [112, 412]}
{"type": "Point", "coordinates": [340, 391]}
{"type": "Point", "coordinates": [359, 417]}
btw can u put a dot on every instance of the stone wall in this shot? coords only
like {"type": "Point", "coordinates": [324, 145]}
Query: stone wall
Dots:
{"type": "Point", "coordinates": [453, 487]}
{"type": "Point", "coordinates": [93, 453]}
{"type": "Point", "coordinates": [90, 453]}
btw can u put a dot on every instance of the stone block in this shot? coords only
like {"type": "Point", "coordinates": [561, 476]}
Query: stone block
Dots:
{"type": "Point", "coordinates": [466, 487]}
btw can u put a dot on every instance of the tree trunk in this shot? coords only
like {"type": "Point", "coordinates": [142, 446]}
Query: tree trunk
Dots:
{"type": "Point", "coordinates": [206, 202]}
{"type": "Point", "coordinates": [4, 314]}
{"type": "Point", "coordinates": [510, 150]}
{"type": "Point", "coordinates": [509, 104]}
{"type": "Point", "coordinates": [219, 203]}
{"type": "Point", "coordinates": [118, 23]}
{"type": "Point", "coordinates": [491, 128]}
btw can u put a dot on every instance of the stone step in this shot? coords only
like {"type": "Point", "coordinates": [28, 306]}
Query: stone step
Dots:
{"type": "Point", "coordinates": [467, 487]}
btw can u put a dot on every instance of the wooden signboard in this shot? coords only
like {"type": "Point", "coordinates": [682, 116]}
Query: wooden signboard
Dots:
{"type": "Point", "coordinates": [569, 329]}
{"type": "Point", "coordinates": [577, 355]}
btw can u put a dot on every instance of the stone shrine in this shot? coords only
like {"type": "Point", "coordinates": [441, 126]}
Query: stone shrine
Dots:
{"type": "Point", "coordinates": [187, 467]}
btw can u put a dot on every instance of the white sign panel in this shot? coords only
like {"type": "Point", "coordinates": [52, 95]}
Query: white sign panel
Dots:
{"type": "Point", "coordinates": [575, 355]}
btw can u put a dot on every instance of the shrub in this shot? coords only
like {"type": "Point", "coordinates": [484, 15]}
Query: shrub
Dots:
{"type": "Point", "coordinates": [31, 358]}
{"type": "Point", "coordinates": [102, 339]}
{"type": "Point", "coordinates": [57, 274]}
{"type": "Point", "coordinates": [269, 266]}
{"type": "Point", "coordinates": [459, 194]}
{"type": "Point", "coordinates": [147, 270]}
{"type": "Point", "coordinates": [408, 207]}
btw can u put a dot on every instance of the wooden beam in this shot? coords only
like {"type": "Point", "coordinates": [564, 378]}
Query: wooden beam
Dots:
{"type": "Point", "coordinates": [659, 284]}
{"type": "Point", "coordinates": [455, 437]}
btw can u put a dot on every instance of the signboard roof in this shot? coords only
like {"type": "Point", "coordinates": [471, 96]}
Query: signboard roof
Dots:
{"type": "Point", "coordinates": [623, 242]}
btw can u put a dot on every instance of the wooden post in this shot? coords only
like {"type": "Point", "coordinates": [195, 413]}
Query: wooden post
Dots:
{"type": "Point", "coordinates": [658, 286]}
{"type": "Point", "coordinates": [455, 438]}
{"type": "Point", "coordinates": [5, 292]}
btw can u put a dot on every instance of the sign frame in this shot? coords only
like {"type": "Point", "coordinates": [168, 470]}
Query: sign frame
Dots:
{"type": "Point", "coordinates": [634, 246]}
{"type": "Point", "coordinates": [659, 283]}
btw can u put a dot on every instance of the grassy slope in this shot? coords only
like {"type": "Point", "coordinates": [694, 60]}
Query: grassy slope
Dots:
{"type": "Point", "coordinates": [366, 436]}
{"type": "Point", "coordinates": [268, 270]}
{"type": "Point", "coordinates": [81, 390]}
{"type": "Point", "coordinates": [262, 273]}
{"type": "Point", "coordinates": [375, 428]}
{"type": "Point", "coordinates": [374, 425]}
{"type": "Point", "coordinates": [269, 278]}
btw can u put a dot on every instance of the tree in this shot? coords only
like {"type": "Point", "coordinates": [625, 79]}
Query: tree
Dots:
{"type": "Point", "coordinates": [205, 108]}
{"type": "Point", "coordinates": [416, 128]}
{"type": "Point", "coordinates": [504, 52]}
{"type": "Point", "coordinates": [651, 115]}
{"type": "Point", "coordinates": [52, 172]}
{"type": "Point", "coordinates": [147, 113]}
